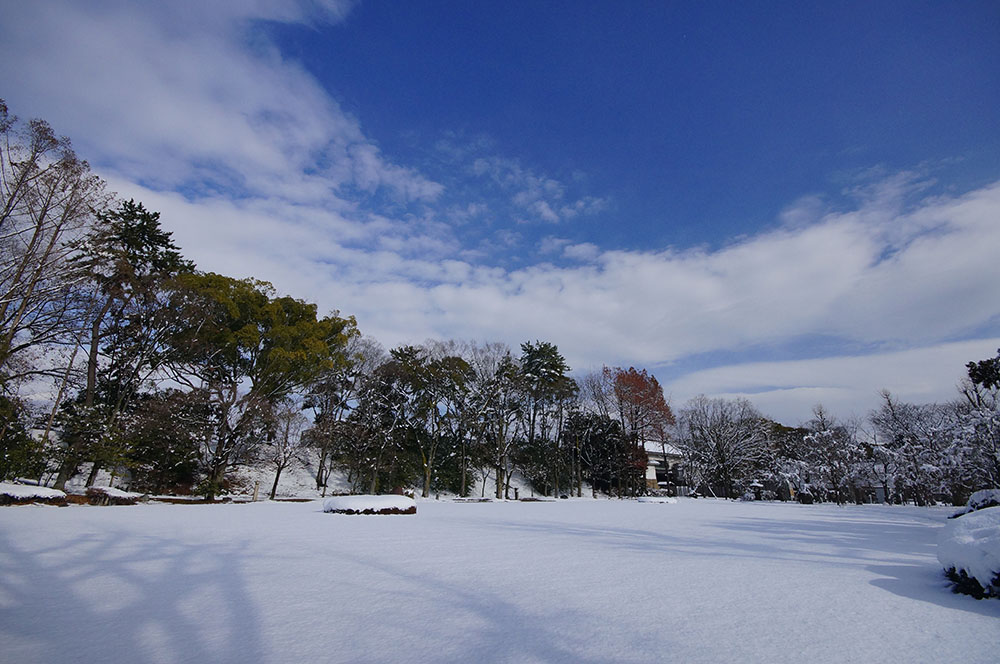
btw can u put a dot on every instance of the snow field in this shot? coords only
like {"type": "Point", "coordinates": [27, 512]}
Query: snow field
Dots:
{"type": "Point", "coordinates": [567, 581]}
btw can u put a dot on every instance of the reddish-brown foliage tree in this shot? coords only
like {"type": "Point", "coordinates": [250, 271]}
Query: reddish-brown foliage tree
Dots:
{"type": "Point", "coordinates": [641, 407]}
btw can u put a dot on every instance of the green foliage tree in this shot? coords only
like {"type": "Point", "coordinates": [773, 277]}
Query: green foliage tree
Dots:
{"type": "Point", "coordinates": [21, 455]}
{"type": "Point", "coordinates": [986, 372]}
{"type": "Point", "coordinates": [604, 452]}
{"type": "Point", "coordinates": [127, 259]}
{"type": "Point", "coordinates": [547, 391]}
{"type": "Point", "coordinates": [164, 434]}
{"type": "Point", "coordinates": [248, 350]}
{"type": "Point", "coordinates": [332, 396]}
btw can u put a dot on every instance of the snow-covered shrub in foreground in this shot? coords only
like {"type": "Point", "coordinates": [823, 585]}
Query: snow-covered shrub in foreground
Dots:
{"type": "Point", "coordinates": [980, 500]}
{"type": "Point", "coordinates": [969, 550]}
{"type": "Point", "coordinates": [20, 494]}
{"type": "Point", "coordinates": [370, 505]}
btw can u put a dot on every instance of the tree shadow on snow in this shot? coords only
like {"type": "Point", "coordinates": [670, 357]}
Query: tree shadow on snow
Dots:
{"type": "Point", "coordinates": [929, 585]}
{"type": "Point", "coordinates": [494, 628]}
{"type": "Point", "coordinates": [846, 537]}
{"type": "Point", "coordinates": [125, 597]}
{"type": "Point", "coordinates": [887, 547]}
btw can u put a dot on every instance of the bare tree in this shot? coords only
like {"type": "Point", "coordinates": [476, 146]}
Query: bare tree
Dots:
{"type": "Point", "coordinates": [287, 444]}
{"type": "Point", "coordinates": [48, 198]}
{"type": "Point", "coordinates": [724, 439]}
{"type": "Point", "coordinates": [832, 452]}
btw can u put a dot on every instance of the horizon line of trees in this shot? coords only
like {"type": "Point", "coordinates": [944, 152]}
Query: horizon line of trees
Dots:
{"type": "Point", "coordinates": [171, 377]}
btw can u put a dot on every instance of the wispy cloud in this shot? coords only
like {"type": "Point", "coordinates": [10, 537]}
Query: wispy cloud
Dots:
{"type": "Point", "coordinates": [539, 198]}
{"type": "Point", "coordinates": [187, 96]}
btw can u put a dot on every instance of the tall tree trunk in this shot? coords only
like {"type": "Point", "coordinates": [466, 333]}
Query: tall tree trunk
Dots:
{"type": "Point", "coordinates": [215, 478]}
{"type": "Point", "coordinates": [464, 466]}
{"type": "Point", "coordinates": [320, 479]}
{"type": "Point", "coordinates": [274, 487]}
{"type": "Point", "coordinates": [92, 355]}
{"type": "Point", "coordinates": [92, 477]}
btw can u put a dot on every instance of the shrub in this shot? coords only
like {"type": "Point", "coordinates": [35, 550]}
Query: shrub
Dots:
{"type": "Point", "coordinates": [969, 551]}
{"type": "Point", "coordinates": [101, 495]}
{"type": "Point", "coordinates": [980, 500]}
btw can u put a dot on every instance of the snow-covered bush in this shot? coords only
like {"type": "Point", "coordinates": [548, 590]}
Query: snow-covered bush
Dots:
{"type": "Point", "coordinates": [666, 500]}
{"type": "Point", "coordinates": [105, 495]}
{"type": "Point", "coordinates": [370, 505]}
{"type": "Point", "coordinates": [980, 500]}
{"type": "Point", "coordinates": [969, 550]}
{"type": "Point", "coordinates": [19, 494]}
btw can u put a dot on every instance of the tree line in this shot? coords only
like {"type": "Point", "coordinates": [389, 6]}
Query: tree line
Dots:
{"type": "Point", "coordinates": [171, 377]}
{"type": "Point", "coordinates": [901, 452]}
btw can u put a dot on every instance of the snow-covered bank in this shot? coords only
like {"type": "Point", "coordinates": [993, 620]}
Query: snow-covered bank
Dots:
{"type": "Point", "coordinates": [11, 493]}
{"type": "Point", "coordinates": [566, 581]}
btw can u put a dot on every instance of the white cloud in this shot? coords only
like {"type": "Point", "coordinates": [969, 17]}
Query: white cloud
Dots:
{"type": "Point", "coordinates": [585, 251]}
{"type": "Point", "coordinates": [846, 386]}
{"type": "Point", "coordinates": [551, 244]}
{"type": "Point", "coordinates": [186, 92]}
{"type": "Point", "coordinates": [540, 196]}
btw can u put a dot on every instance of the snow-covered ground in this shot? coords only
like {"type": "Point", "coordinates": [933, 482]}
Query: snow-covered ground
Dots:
{"type": "Point", "coordinates": [562, 581]}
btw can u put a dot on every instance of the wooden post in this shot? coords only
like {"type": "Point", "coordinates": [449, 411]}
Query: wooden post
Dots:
{"type": "Point", "coordinates": [256, 487]}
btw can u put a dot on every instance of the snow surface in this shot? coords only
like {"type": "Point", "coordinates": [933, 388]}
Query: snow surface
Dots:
{"type": "Point", "coordinates": [972, 543]}
{"type": "Point", "coordinates": [362, 503]}
{"type": "Point", "coordinates": [576, 580]}
{"type": "Point", "coordinates": [656, 499]}
{"type": "Point", "coordinates": [22, 491]}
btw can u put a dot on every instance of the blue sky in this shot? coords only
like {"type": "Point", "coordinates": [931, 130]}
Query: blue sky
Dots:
{"type": "Point", "coordinates": [797, 202]}
{"type": "Point", "coordinates": [698, 121]}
